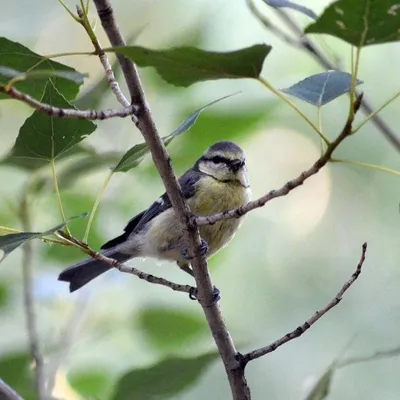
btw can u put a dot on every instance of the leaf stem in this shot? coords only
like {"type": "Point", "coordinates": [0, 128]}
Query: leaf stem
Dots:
{"type": "Point", "coordinates": [372, 115]}
{"type": "Point", "coordinates": [57, 192]}
{"type": "Point", "coordinates": [96, 205]}
{"type": "Point", "coordinates": [367, 165]}
{"type": "Point", "coordinates": [69, 11]}
{"type": "Point", "coordinates": [294, 107]}
{"type": "Point", "coordinates": [320, 128]}
{"type": "Point", "coordinates": [354, 72]}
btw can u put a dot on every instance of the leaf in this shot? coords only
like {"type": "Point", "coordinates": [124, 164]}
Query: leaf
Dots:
{"type": "Point", "coordinates": [360, 22]}
{"type": "Point", "coordinates": [90, 383]}
{"type": "Point", "coordinates": [183, 66]}
{"type": "Point", "coordinates": [15, 371]}
{"type": "Point", "coordinates": [166, 327]}
{"type": "Point", "coordinates": [134, 156]}
{"type": "Point", "coordinates": [293, 6]}
{"type": "Point", "coordinates": [32, 164]}
{"type": "Point", "coordinates": [18, 57]}
{"type": "Point", "coordinates": [322, 387]}
{"type": "Point", "coordinates": [322, 88]}
{"type": "Point", "coordinates": [163, 380]}
{"type": "Point", "coordinates": [12, 241]}
{"type": "Point", "coordinates": [44, 137]}
{"type": "Point", "coordinates": [73, 76]}
{"type": "Point", "coordinates": [4, 295]}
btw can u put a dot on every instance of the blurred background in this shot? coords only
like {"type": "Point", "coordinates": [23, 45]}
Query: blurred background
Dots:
{"type": "Point", "coordinates": [289, 259]}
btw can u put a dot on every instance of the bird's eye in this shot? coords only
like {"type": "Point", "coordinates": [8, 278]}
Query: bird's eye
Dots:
{"type": "Point", "coordinates": [217, 159]}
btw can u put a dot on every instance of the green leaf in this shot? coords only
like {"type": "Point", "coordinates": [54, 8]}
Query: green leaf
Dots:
{"type": "Point", "coordinates": [73, 76]}
{"type": "Point", "coordinates": [163, 380]}
{"type": "Point", "coordinates": [166, 327]}
{"type": "Point", "coordinates": [15, 371]}
{"type": "Point", "coordinates": [44, 137]}
{"type": "Point", "coordinates": [360, 22]}
{"type": "Point", "coordinates": [12, 241]}
{"type": "Point", "coordinates": [322, 387]}
{"type": "Point", "coordinates": [32, 164]}
{"type": "Point", "coordinates": [293, 6]}
{"type": "Point", "coordinates": [134, 156]}
{"type": "Point", "coordinates": [91, 383]}
{"type": "Point", "coordinates": [18, 57]}
{"type": "Point", "coordinates": [183, 66]}
{"type": "Point", "coordinates": [321, 89]}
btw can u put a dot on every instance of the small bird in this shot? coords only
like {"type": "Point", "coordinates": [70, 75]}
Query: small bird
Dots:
{"type": "Point", "coordinates": [217, 182]}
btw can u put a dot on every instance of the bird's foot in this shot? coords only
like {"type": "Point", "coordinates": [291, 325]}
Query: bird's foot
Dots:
{"type": "Point", "coordinates": [203, 250]}
{"type": "Point", "coordinates": [215, 299]}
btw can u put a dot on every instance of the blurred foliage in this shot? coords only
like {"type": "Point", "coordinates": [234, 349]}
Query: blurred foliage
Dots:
{"type": "Point", "coordinates": [16, 370]}
{"type": "Point", "coordinates": [93, 384]}
{"type": "Point", "coordinates": [168, 328]}
{"type": "Point", "coordinates": [163, 380]}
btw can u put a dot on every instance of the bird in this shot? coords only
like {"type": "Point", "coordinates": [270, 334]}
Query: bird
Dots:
{"type": "Point", "coordinates": [217, 182]}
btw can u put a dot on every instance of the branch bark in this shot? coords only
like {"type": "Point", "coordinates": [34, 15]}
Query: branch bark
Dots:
{"type": "Point", "coordinates": [7, 393]}
{"type": "Point", "coordinates": [311, 321]}
{"type": "Point", "coordinates": [146, 125]}
{"type": "Point", "coordinates": [68, 112]}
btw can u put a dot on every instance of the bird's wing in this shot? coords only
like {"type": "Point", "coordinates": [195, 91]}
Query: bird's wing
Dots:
{"type": "Point", "coordinates": [137, 223]}
{"type": "Point", "coordinates": [187, 182]}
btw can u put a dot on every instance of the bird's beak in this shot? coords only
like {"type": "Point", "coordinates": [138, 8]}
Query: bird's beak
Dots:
{"type": "Point", "coordinates": [243, 177]}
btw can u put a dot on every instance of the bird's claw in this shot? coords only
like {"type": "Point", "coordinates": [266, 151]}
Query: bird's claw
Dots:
{"type": "Point", "coordinates": [215, 299]}
{"type": "Point", "coordinates": [203, 250]}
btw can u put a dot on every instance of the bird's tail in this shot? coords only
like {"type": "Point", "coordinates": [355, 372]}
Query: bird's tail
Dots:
{"type": "Point", "coordinates": [82, 273]}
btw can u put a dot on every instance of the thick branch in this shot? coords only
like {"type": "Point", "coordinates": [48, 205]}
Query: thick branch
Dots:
{"type": "Point", "coordinates": [68, 112]}
{"type": "Point", "coordinates": [7, 393]}
{"type": "Point", "coordinates": [308, 45]}
{"type": "Point", "coordinates": [289, 186]}
{"type": "Point", "coordinates": [162, 161]}
{"type": "Point", "coordinates": [307, 325]}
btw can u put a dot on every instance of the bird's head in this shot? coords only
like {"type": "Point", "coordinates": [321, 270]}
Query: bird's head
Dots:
{"type": "Point", "coordinates": [224, 161]}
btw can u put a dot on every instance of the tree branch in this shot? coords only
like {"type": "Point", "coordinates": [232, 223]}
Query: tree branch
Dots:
{"type": "Point", "coordinates": [68, 112]}
{"type": "Point", "coordinates": [162, 161]}
{"type": "Point", "coordinates": [289, 186]}
{"type": "Point", "coordinates": [29, 306]}
{"type": "Point", "coordinates": [307, 325]}
{"type": "Point", "coordinates": [309, 46]}
{"type": "Point", "coordinates": [7, 393]}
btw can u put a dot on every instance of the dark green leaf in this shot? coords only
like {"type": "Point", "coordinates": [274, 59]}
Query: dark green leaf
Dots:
{"type": "Point", "coordinates": [166, 327]}
{"type": "Point", "coordinates": [322, 88]}
{"type": "Point", "coordinates": [31, 164]}
{"type": "Point", "coordinates": [12, 241]}
{"type": "Point", "coordinates": [163, 380]}
{"type": "Point", "coordinates": [183, 66]}
{"type": "Point", "coordinates": [134, 156]}
{"type": "Point", "coordinates": [360, 22]}
{"type": "Point", "coordinates": [322, 387]}
{"type": "Point", "coordinates": [16, 56]}
{"type": "Point", "coordinates": [73, 76]}
{"type": "Point", "coordinates": [293, 6]}
{"type": "Point", "coordinates": [44, 137]}
{"type": "Point", "coordinates": [90, 384]}
{"type": "Point", "coordinates": [15, 371]}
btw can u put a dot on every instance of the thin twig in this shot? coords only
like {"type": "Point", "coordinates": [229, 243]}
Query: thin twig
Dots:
{"type": "Point", "coordinates": [7, 393]}
{"type": "Point", "coordinates": [112, 82]}
{"type": "Point", "coordinates": [289, 186]}
{"type": "Point", "coordinates": [307, 325]}
{"type": "Point", "coordinates": [161, 158]}
{"type": "Point", "coordinates": [375, 356]}
{"type": "Point", "coordinates": [29, 306]}
{"type": "Point", "coordinates": [68, 112]}
{"type": "Point", "coordinates": [308, 45]}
